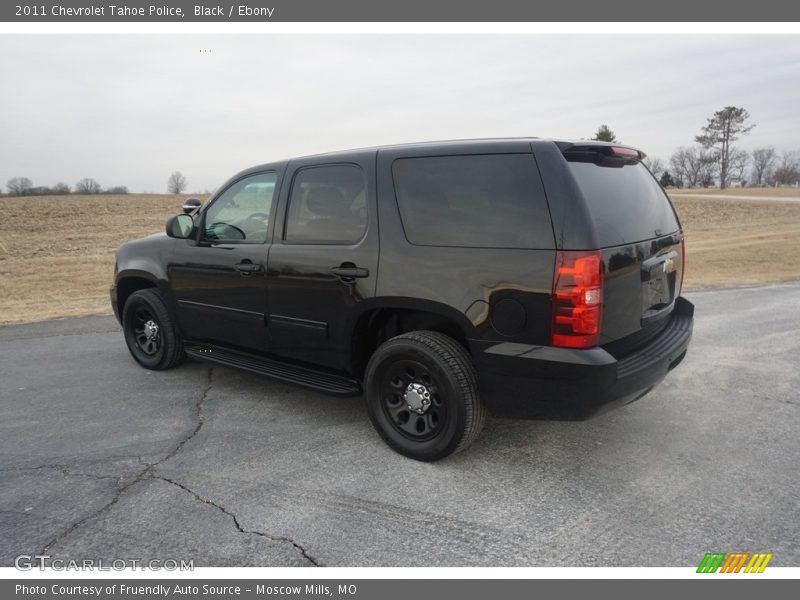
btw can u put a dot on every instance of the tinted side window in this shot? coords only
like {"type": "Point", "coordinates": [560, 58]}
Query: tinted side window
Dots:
{"type": "Point", "coordinates": [327, 204]}
{"type": "Point", "coordinates": [479, 201]}
{"type": "Point", "coordinates": [626, 203]}
{"type": "Point", "coordinates": [241, 213]}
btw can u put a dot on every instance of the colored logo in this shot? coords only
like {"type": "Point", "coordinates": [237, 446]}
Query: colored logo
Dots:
{"type": "Point", "coordinates": [734, 562]}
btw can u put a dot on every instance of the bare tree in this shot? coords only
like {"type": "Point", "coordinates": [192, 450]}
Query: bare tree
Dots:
{"type": "Point", "coordinates": [679, 163]}
{"type": "Point", "coordinates": [763, 163]}
{"type": "Point", "coordinates": [604, 134]}
{"type": "Point", "coordinates": [656, 166]}
{"type": "Point", "coordinates": [737, 165]}
{"type": "Point", "coordinates": [87, 185]}
{"type": "Point", "coordinates": [18, 186]}
{"type": "Point", "coordinates": [718, 135]}
{"type": "Point", "coordinates": [667, 180]}
{"type": "Point", "coordinates": [692, 167]}
{"type": "Point", "coordinates": [788, 173]}
{"type": "Point", "coordinates": [116, 190]}
{"type": "Point", "coordinates": [176, 183]}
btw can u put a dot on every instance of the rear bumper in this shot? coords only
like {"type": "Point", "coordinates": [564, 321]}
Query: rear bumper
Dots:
{"type": "Point", "coordinates": [525, 381]}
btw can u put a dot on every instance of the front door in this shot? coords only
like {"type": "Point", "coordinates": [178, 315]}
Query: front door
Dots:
{"type": "Point", "coordinates": [324, 259]}
{"type": "Point", "coordinates": [218, 279]}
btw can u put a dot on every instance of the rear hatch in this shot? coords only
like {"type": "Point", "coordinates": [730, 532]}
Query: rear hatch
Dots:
{"type": "Point", "coordinates": [640, 239]}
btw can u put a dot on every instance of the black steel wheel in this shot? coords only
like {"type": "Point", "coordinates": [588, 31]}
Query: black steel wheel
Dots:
{"type": "Point", "coordinates": [412, 399]}
{"type": "Point", "coordinates": [150, 332]}
{"type": "Point", "coordinates": [146, 331]}
{"type": "Point", "coordinates": [422, 397]}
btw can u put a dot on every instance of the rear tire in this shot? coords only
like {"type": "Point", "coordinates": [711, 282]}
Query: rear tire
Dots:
{"type": "Point", "coordinates": [150, 332]}
{"type": "Point", "coordinates": [422, 395]}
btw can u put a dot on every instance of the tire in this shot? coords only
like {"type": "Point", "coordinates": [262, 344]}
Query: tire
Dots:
{"type": "Point", "coordinates": [422, 395]}
{"type": "Point", "coordinates": [157, 349]}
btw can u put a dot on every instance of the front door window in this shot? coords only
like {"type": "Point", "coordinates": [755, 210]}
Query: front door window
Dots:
{"type": "Point", "coordinates": [241, 213]}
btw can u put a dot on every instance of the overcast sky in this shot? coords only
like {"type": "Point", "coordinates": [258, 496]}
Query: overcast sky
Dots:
{"type": "Point", "coordinates": [129, 110]}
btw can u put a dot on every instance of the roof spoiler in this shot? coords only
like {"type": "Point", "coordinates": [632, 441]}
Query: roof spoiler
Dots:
{"type": "Point", "coordinates": [603, 154]}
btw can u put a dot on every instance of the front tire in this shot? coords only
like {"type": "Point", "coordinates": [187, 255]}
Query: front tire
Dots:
{"type": "Point", "coordinates": [150, 332]}
{"type": "Point", "coordinates": [422, 395]}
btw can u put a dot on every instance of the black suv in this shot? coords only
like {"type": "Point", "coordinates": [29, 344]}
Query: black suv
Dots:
{"type": "Point", "coordinates": [532, 278]}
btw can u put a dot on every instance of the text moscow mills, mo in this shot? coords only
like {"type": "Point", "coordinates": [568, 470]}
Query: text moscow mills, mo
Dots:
{"type": "Point", "coordinates": [153, 10]}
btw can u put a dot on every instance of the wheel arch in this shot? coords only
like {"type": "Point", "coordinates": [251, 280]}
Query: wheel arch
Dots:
{"type": "Point", "coordinates": [383, 318]}
{"type": "Point", "coordinates": [130, 281]}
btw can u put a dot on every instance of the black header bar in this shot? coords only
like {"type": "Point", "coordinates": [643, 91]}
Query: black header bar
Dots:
{"type": "Point", "coordinates": [400, 11]}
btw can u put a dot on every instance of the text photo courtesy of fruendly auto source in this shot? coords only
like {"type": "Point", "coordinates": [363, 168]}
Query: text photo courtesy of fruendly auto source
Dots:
{"type": "Point", "coordinates": [400, 300]}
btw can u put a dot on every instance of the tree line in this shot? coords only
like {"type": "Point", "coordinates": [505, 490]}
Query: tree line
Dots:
{"type": "Point", "coordinates": [23, 186]}
{"type": "Point", "coordinates": [712, 160]}
{"type": "Point", "coordinates": [715, 160]}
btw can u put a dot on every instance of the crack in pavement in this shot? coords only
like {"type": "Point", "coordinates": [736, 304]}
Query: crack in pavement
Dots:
{"type": "Point", "coordinates": [120, 491]}
{"type": "Point", "coordinates": [63, 469]}
{"type": "Point", "coordinates": [151, 472]}
{"type": "Point", "coordinates": [69, 470]}
{"type": "Point", "coordinates": [274, 538]}
{"type": "Point", "coordinates": [148, 470]}
{"type": "Point", "coordinates": [199, 416]}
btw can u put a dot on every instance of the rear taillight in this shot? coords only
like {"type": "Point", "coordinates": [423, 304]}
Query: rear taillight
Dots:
{"type": "Point", "coordinates": [577, 299]}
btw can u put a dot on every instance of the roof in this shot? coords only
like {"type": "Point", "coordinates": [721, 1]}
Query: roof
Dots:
{"type": "Point", "coordinates": [436, 144]}
{"type": "Point", "coordinates": [427, 145]}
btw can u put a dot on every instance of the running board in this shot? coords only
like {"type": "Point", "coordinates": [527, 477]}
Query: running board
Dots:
{"type": "Point", "coordinates": [320, 381]}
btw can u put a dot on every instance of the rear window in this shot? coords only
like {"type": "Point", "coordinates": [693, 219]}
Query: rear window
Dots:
{"type": "Point", "coordinates": [626, 203]}
{"type": "Point", "coordinates": [327, 204]}
{"type": "Point", "coordinates": [476, 201]}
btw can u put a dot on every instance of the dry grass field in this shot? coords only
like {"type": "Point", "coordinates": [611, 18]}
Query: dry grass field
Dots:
{"type": "Point", "coordinates": [57, 253]}
{"type": "Point", "coordinates": [731, 243]}
{"type": "Point", "coordinates": [767, 193]}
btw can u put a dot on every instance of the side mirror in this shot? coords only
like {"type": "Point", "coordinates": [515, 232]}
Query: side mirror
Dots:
{"type": "Point", "coordinates": [191, 205]}
{"type": "Point", "coordinates": [180, 226]}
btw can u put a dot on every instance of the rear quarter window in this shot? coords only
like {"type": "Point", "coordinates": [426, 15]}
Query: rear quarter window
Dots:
{"type": "Point", "coordinates": [476, 201]}
{"type": "Point", "coordinates": [626, 203]}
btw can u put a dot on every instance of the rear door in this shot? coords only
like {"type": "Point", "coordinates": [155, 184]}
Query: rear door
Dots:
{"type": "Point", "coordinates": [638, 231]}
{"type": "Point", "coordinates": [325, 258]}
